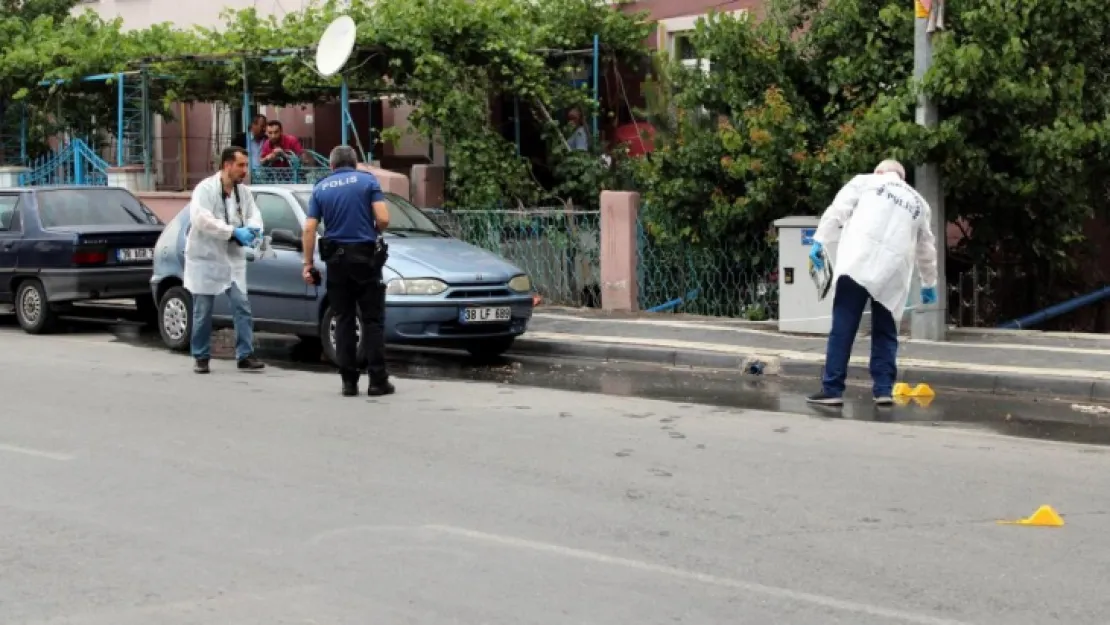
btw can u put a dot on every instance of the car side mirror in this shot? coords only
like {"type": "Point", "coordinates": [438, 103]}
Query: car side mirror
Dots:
{"type": "Point", "coordinates": [286, 238]}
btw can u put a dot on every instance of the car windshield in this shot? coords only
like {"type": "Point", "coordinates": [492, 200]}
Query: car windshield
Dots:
{"type": "Point", "coordinates": [404, 218]}
{"type": "Point", "coordinates": [62, 208]}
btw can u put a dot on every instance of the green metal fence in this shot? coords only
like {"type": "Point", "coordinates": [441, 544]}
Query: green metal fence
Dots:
{"type": "Point", "coordinates": [559, 248]}
{"type": "Point", "coordinates": [722, 281]}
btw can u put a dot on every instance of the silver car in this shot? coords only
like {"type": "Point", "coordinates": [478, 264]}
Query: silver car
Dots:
{"type": "Point", "coordinates": [439, 290]}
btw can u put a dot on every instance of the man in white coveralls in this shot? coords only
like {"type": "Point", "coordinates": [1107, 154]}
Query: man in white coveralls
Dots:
{"type": "Point", "coordinates": [223, 222]}
{"type": "Point", "coordinates": [883, 227]}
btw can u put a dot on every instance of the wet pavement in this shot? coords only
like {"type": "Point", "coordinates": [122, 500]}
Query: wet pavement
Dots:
{"type": "Point", "coordinates": [1044, 419]}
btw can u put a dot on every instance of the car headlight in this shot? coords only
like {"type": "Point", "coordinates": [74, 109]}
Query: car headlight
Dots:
{"type": "Point", "coordinates": [521, 284]}
{"type": "Point", "coordinates": [420, 286]}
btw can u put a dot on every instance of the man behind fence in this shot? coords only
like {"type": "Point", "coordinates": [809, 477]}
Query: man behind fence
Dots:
{"type": "Point", "coordinates": [352, 206]}
{"type": "Point", "coordinates": [884, 226]}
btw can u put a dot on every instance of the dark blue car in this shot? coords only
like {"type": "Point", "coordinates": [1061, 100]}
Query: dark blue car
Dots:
{"type": "Point", "coordinates": [60, 245]}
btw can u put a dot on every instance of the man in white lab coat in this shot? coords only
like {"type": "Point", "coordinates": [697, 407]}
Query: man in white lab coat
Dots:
{"type": "Point", "coordinates": [883, 225]}
{"type": "Point", "coordinates": [224, 221]}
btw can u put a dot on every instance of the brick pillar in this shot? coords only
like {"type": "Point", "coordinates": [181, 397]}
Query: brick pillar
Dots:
{"type": "Point", "coordinates": [428, 185]}
{"type": "Point", "coordinates": [9, 176]}
{"type": "Point", "coordinates": [391, 181]}
{"type": "Point", "coordinates": [130, 177]}
{"type": "Point", "coordinates": [619, 250]}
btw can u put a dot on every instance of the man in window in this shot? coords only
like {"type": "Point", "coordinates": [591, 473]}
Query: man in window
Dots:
{"type": "Point", "coordinates": [253, 140]}
{"type": "Point", "coordinates": [578, 140]}
{"type": "Point", "coordinates": [279, 147]}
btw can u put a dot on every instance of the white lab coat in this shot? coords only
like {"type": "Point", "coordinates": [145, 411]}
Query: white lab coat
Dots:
{"type": "Point", "coordinates": [886, 227]}
{"type": "Point", "coordinates": [213, 262]}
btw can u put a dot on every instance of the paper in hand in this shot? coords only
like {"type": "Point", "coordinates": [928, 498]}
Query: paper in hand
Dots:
{"type": "Point", "coordinates": [822, 278]}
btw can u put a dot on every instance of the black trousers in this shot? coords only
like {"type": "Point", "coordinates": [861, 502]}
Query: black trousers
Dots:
{"type": "Point", "coordinates": [355, 288]}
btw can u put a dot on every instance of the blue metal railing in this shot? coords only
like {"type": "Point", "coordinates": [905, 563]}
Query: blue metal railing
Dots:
{"type": "Point", "coordinates": [75, 163]}
{"type": "Point", "coordinates": [305, 170]}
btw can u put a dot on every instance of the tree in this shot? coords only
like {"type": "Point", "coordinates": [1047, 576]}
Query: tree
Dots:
{"type": "Point", "coordinates": [1023, 90]}
{"type": "Point", "coordinates": [451, 59]}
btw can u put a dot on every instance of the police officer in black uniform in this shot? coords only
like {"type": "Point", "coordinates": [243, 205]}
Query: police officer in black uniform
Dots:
{"type": "Point", "coordinates": [351, 205]}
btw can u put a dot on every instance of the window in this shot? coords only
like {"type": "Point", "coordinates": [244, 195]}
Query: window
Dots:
{"type": "Point", "coordinates": [63, 208]}
{"type": "Point", "coordinates": [683, 47]}
{"type": "Point", "coordinates": [9, 216]}
{"type": "Point", "coordinates": [277, 214]}
{"type": "Point", "coordinates": [674, 38]}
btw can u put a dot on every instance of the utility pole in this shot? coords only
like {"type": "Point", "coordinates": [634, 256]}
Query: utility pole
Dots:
{"type": "Point", "coordinates": [930, 322]}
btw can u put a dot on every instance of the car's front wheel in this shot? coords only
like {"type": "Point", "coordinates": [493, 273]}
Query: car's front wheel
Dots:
{"type": "Point", "coordinates": [175, 318]}
{"type": "Point", "coordinates": [327, 334]}
{"type": "Point", "coordinates": [32, 309]}
{"type": "Point", "coordinates": [489, 349]}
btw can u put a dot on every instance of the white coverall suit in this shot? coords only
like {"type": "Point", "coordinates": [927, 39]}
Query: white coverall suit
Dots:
{"type": "Point", "coordinates": [214, 264]}
{"type": "Point", "coordinates": [883, 225]}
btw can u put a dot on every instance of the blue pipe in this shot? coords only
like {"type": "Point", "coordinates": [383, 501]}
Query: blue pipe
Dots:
{"type": "Point", "coordinates": [1055, 311]}
{"type": "Point", "coordinates": [674, 303]}
{"type": "Point", "coordinates": [23, 135]}
{"type": "Point", "coordinates": [119, 120]}
{"type": "Point", "coordinates": [345, 110]}
{"type": "Point", "coordinates": [246, 103]}
{"type": "Point", "coordinates": [597, 70]}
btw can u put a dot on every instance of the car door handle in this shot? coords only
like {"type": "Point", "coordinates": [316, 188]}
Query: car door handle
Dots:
{"type": "Point", "coordinates": [8, 245]}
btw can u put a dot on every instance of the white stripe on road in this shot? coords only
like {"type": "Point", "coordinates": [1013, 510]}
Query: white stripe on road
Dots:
{"type": "Point", "coordinates": [37, 453]}
{"type": "Point", "coordinates": [704, 578]}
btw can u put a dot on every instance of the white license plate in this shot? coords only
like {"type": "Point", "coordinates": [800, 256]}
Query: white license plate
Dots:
{"type": "Point", "coordinates": [486, 314]}
{"type": "Point", "coordinates": [130, 255]}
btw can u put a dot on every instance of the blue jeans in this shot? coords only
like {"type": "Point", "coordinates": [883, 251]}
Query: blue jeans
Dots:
{"type": "Point", "coordinates": [848, 305]}
{"type": "Point", "coordinates": [202, 324]}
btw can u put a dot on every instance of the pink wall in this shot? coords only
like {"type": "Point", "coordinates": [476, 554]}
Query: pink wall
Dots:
{"type": "Point", "coordinates": [165, 204]}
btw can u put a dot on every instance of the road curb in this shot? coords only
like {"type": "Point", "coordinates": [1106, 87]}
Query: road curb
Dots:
{"type": "Point", "coordinates": [985, 382]}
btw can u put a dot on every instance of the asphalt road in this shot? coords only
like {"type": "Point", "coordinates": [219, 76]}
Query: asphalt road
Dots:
{"type": "Point", "coordinates": [135, 492]}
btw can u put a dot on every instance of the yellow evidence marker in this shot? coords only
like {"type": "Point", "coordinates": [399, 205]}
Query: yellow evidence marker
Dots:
{"type": "Point", "coordinates": [1045, 516]}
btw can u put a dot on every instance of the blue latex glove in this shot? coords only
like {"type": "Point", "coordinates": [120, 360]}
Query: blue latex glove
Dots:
{"type": "Point", "coordinates": [817, 255]}
{"type": "Point", "coordinates": [929, 295]}
{"type": "Point", "coordinates": [244, 236]}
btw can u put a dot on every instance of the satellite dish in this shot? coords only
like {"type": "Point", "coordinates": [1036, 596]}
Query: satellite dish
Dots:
{"type": "Point", "coordinates": [336, 45]}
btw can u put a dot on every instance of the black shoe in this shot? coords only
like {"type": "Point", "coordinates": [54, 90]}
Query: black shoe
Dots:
{"type": "Point", "coordinates": [381, 388]}
{"type": "Point", "coordinates": [250, 363]}
{"type": "Point", "coordinates": [824, 399]}
{"type": "Point", "coordinates": [350, 389]}
{"type": "Point", "coordinates": [201, 366]}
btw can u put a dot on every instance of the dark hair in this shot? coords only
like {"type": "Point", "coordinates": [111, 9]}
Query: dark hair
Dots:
{"type": "Point", "coordinates": [258, 117]}
{"type": "Point", "coordinates": [229, 154]}
{"type": "Point", "coordinates": [274, 122]}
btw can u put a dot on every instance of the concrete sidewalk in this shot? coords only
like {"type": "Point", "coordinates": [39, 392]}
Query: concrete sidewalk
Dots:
{"type": "Point", "coordinates": [992, 361]}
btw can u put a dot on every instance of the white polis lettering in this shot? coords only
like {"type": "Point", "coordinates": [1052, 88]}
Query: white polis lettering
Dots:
{"type": "Point", "coordinates": [902, 196]}
{"type": "Point", "coordinates": [335, 183]}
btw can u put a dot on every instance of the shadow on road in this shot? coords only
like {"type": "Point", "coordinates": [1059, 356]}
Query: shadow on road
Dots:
{"type": "Point", "coordinates": [1038, 418]}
